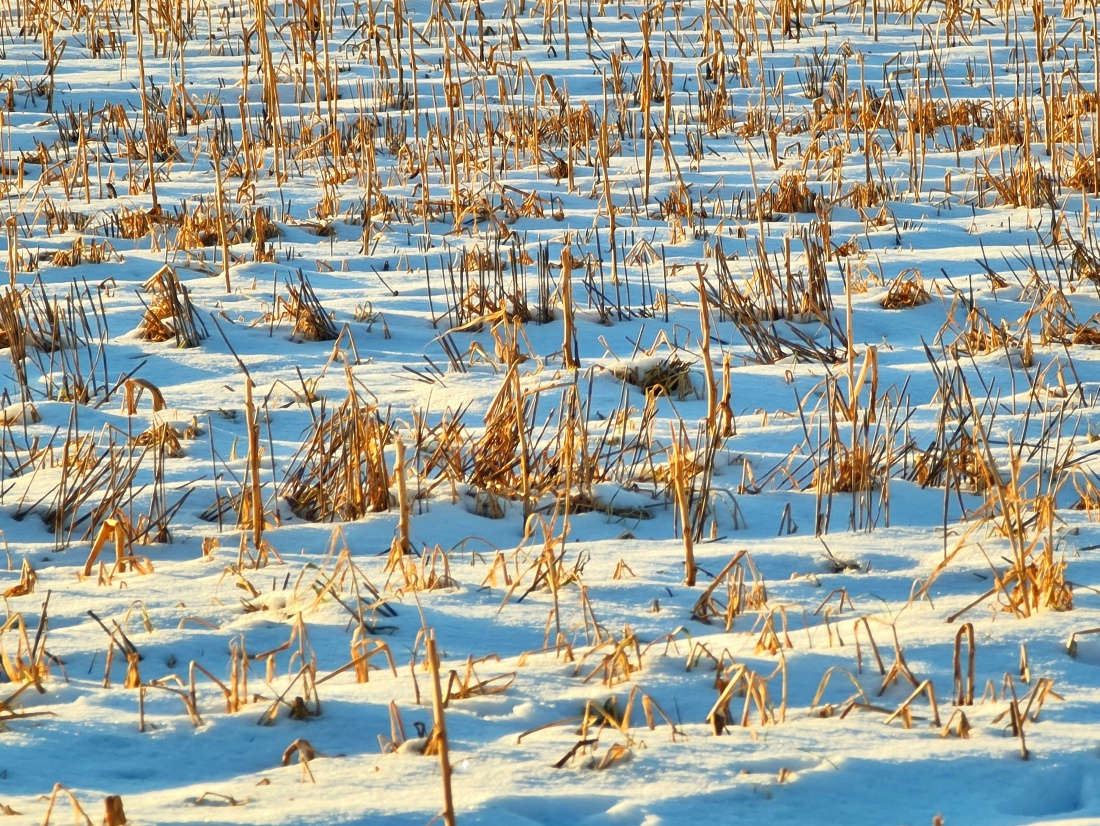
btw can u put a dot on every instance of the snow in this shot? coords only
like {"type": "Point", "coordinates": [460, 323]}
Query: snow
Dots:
{"type": "Point", "coordinates": [537, 725]}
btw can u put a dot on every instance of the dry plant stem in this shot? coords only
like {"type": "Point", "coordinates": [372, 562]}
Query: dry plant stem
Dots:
{"type": "Point", "coordinates": [111, 530]}
{"type": "Point", "coordinates": [368, 204]}
{"type": "Point", "coordinates": [145, 120]}
{"type": "Point", "coordinates": [570, 360]}
{"type": "Point", "coordinates": [113, 813]}
{"type": "Point", "coordinates": [521, 434]}
{"type": "Point", "coordinates": [964, 689]}
{"type": "Point", "coordinates": [605, 165]}
{"type": "Point", "coordinates": [549, 560]}
{"type": "Point", "coordinates": [402, 543]}
{"type": "Point", "coordinates": [678, 473]}
{"type": "Point", "coordinates": [257, 503]}
{"type": "Point", "coordinates": [79, 815]}
{"type": "Point", "coordinates": [704, 346]}
{"type": "Point", "coordinates": [270, 78]}
{"type": "Point", "coordinates": [219, 192]}
{"type": "Point", "coordinates": [11, 227]}
{"type": "Point", "coordinates": [902, 711]}
{"type": "Point", "coordinates": [439, 731]}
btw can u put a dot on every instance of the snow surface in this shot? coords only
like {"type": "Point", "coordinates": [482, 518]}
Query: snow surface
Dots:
{"type": "Point", "coordinates": [807, 763]}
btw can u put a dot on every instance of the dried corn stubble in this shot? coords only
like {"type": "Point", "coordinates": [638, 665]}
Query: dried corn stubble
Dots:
{"type": "Point", "coordinates": [1040, 583]}
{"type": "Point", "coordinates": [340, 472]}
{"type": "Point", "coordinates": [117, 531]}
{"type": "Point", "coordinates": [85, 252]}
{"type": "Point", "coordinates": [623, 660]}
{"type": "Point", "coordinates": [1025, 185]}
{"type": "Point", "coordinates": [905, 291]}
{"type": "Point", "coordinates": [1035, 578]}
{"type": "Point", "coordinates": [162, 437]}
{"type": "Point", "coordinates": [305, 753]}
{"type": "Point", "coordinates": [925, 123]}
{"type": "Point", "coordinates": [792, 297]}
{"type": "Point", "coordinates": [501, 457]}
{"type": "Point", "coordinates": [616, 755]}
{"type": "Point", "coordinates": [955, 459]}
{"type": "Point", "coordinates": [1088, 491]}
{"type": "Point", "coordinates": [304, 309]}
{"type": "Point", "coordinates": [770, 641]}
{"type": "Point", "coordinates": [79, 815]}
{"type": "Point", "coordinates": [170, 313]}
{"type": "Point", "coordinates": [730, 595]}
{"type": "Point", "coordinates": [609, 714]}
{"type": "Point", "coordinates": [27, 580]}
{"type": "Point", "coordinates": [363, 650]}
{"type": "Point", "coordinates": [740, 680]}
{"type": "Point", "coordinates": [1078, 258]}
{"type": "Point", "coordinates": [427, 571]}
{"type": "Point", "coordinates": [28, 662]}
{"type": "Point", "coordinates": [979, 336]}
{"type": "Point", "coordinates": [198, 226]}
{"type": "Point", "coordinates": [351, 588]}
{"type": "Point", "coordinates": [790, 194]}
{"type": "Point", "coordinates": [828, 709]}
{"type": "Point", "coordinates": [850, 470]}
{"type": "Point", "coordinates": [233, 694]}
{"type": "Point", "coordinates": [1058, 323]}
{"type": "Point", "coordinates": [97, 484]}
{"type": "Point", "coordinates": [671, 376]}
{"type": "Point", "coordinates": [1082, 173]}
{"type": "Point", "coordinates": [113, 812]}
{"type": "Point", "coordinates": [12, 331]}
{"type": "Point", "coordinates": [470, 685]}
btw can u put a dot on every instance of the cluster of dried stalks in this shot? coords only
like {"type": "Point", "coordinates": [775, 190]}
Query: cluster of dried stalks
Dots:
{"type": "Point", "coordinates": [386, 158]}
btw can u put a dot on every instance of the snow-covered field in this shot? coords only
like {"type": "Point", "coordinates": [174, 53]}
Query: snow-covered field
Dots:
{"type": "Point", "coordinates": [487, 302]}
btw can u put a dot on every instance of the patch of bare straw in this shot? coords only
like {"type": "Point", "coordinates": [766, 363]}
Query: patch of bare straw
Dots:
{"type": "Point", "coordinates": [777, 290]}
{"type": "Point", "coordinates": [671, 376]}
{"type": "Point", "coordinates": [427, 571]}
{"type": "Point", "coordinates": [789, 194]}
{"type": "Point", "coordinates": [85, 252]}
{"type": "Point", "coordinates": [65, 340]}
{"type": "Point", "coordinates": [96, 483]}
{"type": "Point", "coordinates": [27, 664]}
{"type": "Point", "coordinates": [905, 291]}
{"type": "Point", "coordinates": [619, 659]}
{"type": "Point", "coordinates": [165, 439]}
{"type": "Point", "coordinates": [1058, 323]}
{"type": "Point", "coordinates": [199, 226]}
{"type": "Point", "coordinates": [548, 463]}
{"type": "Point", "coordinates": [978, 334]}
{"type": "Point", "coordinates": [738, 588]}
{"type": "Point", "coordinates": [952, 460]}
{"type": "Point", "coordinates": [1023, 512]}
{"type": "Point", "coordinates": [851, 469]}
{"type": "Point", "coordinates": [1088, 492]}
{"type": "Point", "coordinates": [169, 313]}
{"type": "Point", "coordinates": [304, 309]}
{"type": "Point", "coordinates": [1024, 185]}
{"type": "Point", "coordinates": [738, 680]}
{"type": "Point", "coordinates": [339, 473]}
